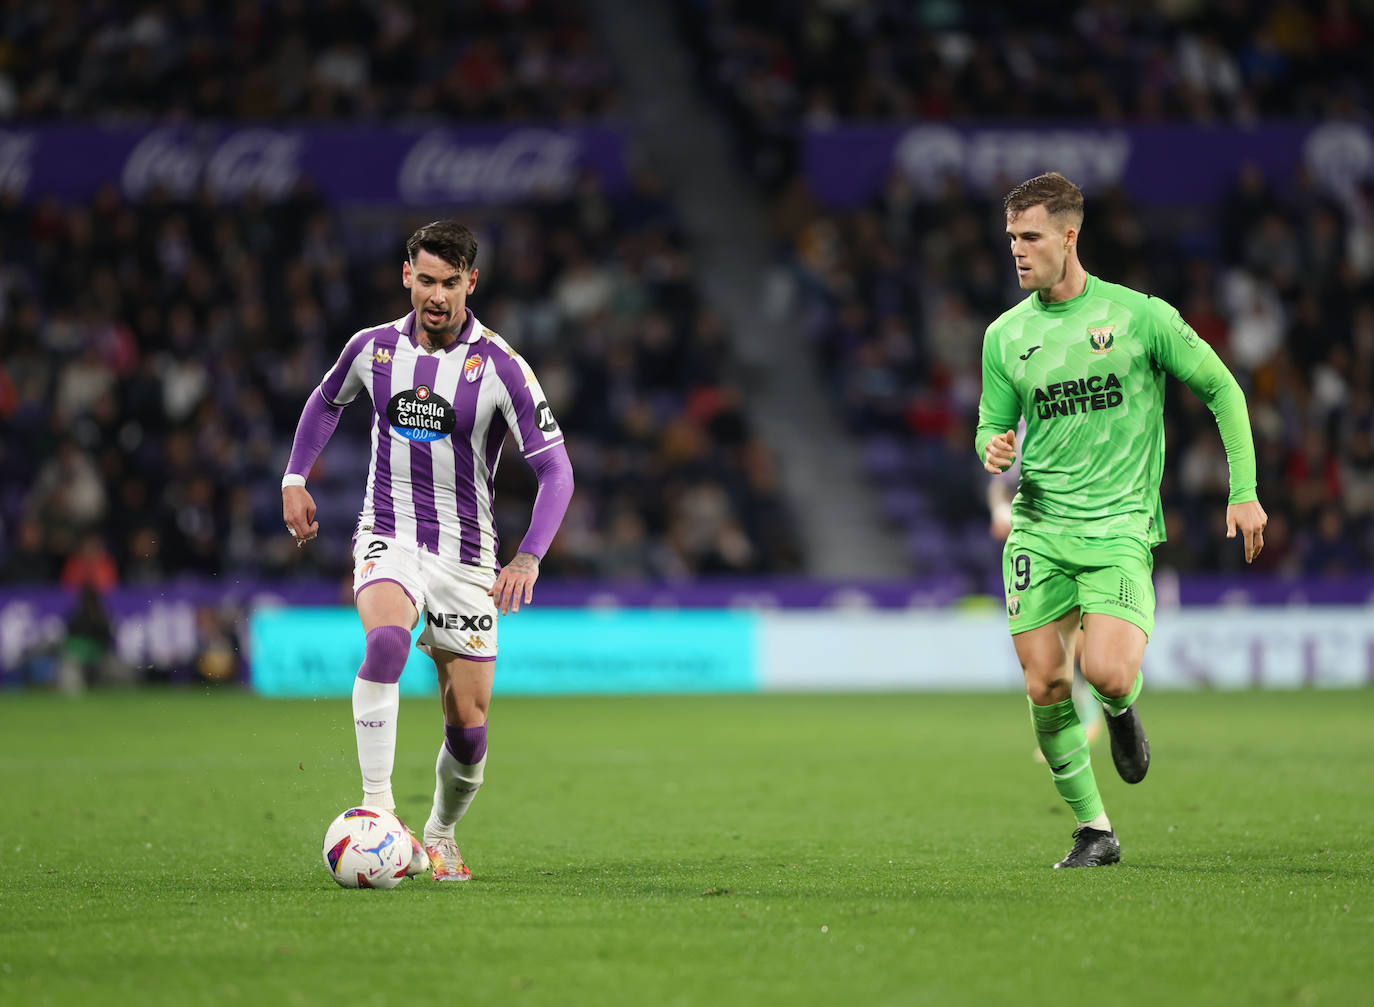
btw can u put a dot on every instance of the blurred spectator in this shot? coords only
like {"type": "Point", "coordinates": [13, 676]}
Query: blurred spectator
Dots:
{"type": "Point", "coordinates": [218, 657]}
{"type": "Point", "coordinates": [87, 654]}
{"type": "Point", "coordinates": [27, 560]}
{"type": "Point", "coordinates": [91, 567]}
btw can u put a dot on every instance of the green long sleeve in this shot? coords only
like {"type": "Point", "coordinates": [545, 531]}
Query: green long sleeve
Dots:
{"type": "Point", "coordinates": [999, 408]}
{"type": "Point", "coordinates": [1217, 387]}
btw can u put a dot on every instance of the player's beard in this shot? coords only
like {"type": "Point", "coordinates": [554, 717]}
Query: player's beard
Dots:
{"type": "Point", "coordinates": [448, 327]}
{"type": "Point", "coordinates": [434, 337]}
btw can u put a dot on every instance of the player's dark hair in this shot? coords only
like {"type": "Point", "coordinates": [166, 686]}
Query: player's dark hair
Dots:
{"type": "Point", "coordinates": [1052, 190]}
{"type": "Point", "coordinates": [449, 240]}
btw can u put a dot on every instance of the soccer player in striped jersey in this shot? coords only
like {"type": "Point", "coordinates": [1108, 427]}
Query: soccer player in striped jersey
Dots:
{"type": "Point", "coordinates": [445, 392]}
{"type": "Point", "coordinates": [1084, 361]}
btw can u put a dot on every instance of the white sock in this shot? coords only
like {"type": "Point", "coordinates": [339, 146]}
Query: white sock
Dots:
{"type": "Point", "coordinates": [375, 708]}
{"type": "Point", "coordinates": [1100, 823]}
{"type": "Point", "coordinates": [455, 785]}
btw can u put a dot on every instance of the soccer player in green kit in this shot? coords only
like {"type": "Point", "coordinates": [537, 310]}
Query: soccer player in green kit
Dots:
{"type": "Point", "coordinates": [1084, 361]}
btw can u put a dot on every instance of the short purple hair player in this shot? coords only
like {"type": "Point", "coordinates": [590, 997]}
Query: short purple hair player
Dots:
{"type": "Point", "coordinates": [445, 393]}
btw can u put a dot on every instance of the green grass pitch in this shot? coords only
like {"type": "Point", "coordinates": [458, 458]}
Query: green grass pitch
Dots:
{"type": "Point", "coordinates": [164, 848]}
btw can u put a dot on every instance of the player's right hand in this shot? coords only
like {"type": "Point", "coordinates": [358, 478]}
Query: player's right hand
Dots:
{"type": "Point", "coordinates": [1001, 452]}
{"type": "Point", "coordinates": [298, 509]}
{"type": "Point", "coordinates": [1250, 519]}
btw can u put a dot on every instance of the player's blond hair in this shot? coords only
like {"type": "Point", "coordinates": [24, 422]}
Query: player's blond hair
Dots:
{"type": "Point", "coordinates": [1052, 191]}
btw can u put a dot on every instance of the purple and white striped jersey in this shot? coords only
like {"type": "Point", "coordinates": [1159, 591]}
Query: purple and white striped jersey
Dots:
{"type": "Point", "coordinates": [439, 420]}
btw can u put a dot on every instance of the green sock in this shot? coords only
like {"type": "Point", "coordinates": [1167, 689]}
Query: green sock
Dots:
{"type": "Point", "coordinates": [1065, 745]}
{"type": "Point", "coordinates": [1119, 703]}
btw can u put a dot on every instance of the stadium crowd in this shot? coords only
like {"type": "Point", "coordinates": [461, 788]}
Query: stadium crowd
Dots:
{"type": "Point", "coordinates": [1288, 304]}
{"type": "Point", "coordinates": [154, 354]}
{"type": "Point", "coordinates": [154, 359]}
{"type": "Point", "coordinates": [302, 59]}
{"type": "Point", "coordinates": [778, 66]}
{"type": "Point", "coordinates": [896, 295]}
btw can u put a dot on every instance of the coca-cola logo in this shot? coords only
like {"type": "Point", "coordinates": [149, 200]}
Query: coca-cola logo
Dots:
{"type": "Point", "coordinates": [264, 161]}
{"type": "Point", "coordinates": [524, 163]}
{"type": "Point", "coordinates": [256, 160]}
{"type": "Point", "coordinates": [16, 162]}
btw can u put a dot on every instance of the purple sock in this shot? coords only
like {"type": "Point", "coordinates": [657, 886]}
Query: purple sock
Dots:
{"type": "Point", "coordinates": [466, 744]}
{"type": "Point", "coordinates": [385, 657]}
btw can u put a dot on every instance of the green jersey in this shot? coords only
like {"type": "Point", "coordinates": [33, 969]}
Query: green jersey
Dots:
{"type": "Point", "coordinates": [1088, 375]}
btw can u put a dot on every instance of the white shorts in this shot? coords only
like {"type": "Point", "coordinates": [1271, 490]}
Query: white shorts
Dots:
{"type": "Point", "coordinates": [451, 597]}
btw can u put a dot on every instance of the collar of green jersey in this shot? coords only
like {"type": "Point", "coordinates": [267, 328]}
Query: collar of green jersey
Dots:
{"type": "Point", "coordinates": [1060, 307]}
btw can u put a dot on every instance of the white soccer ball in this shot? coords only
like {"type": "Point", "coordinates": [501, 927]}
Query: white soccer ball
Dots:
{"type": "Point", "coordinates": [367, 848]}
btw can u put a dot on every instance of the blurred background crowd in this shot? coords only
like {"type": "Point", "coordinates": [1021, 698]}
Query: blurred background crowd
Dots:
{"type": "Point", "coordinates": [904, 289]}
{"type": "Point", "coordinates": [155, 353]}
{"type": "Point", "coordinates": [776, 66]}
{"type": "Point", "coordinates": [157, 358]}
{"type": "Point", "coordinates": [331, 60]}
{"type": "Point", "coordinates": [1279, 280]}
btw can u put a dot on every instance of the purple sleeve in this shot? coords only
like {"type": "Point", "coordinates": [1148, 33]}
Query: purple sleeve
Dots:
{"type": "Point", "coordinates": [318, 420]}
{"type": "Point", "coordinates": [527, 411]}
{"type": "Point", "coordinates": [554, 472]}
{"type": "Point", "coordinates": [343, 383]}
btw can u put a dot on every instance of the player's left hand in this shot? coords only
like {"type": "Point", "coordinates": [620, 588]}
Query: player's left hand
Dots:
{"type": "Point", "coordinates": [515, 581]}
{"type": "Point", "coordinates": [1250, 518]}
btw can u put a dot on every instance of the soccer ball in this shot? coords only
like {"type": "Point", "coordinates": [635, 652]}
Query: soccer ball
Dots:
{"type": "Point", "coordinates": [367, 848]}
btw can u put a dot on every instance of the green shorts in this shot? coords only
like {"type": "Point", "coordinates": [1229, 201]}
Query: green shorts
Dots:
{"type": "Point", "coordinates": [1048, 575]}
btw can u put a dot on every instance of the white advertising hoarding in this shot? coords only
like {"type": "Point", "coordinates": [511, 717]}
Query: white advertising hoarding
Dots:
{"type": "Point", "coordinates": [1214, 647]}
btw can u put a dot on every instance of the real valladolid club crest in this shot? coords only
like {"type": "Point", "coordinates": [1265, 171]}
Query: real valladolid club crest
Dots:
{"type": "Point", "coordinates": [472, 367]}
{"type": "Point", "coordinates": [1101, 338]}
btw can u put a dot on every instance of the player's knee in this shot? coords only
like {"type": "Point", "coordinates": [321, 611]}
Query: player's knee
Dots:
{"type": "Point", "coordinates": [1047, 689]}
{"type": "Point", "coordinates": [387, 650]}
{"type": "Point", "coordinates": [1109, 674]}
{"type": "Point", "coordinates": [463, 707]}
{"type": "Point", "coordinates": [470, 712]}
